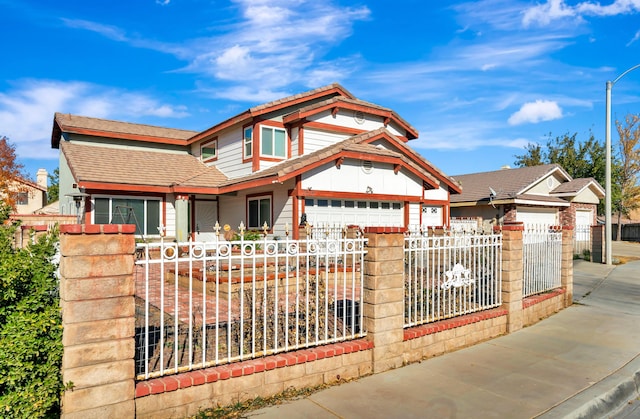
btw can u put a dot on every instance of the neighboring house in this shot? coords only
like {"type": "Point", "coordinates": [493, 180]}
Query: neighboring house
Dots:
{"type": "Point", "coordinates": [29, 196]}
{"type": "Point", "coordinates": [544, 194]}
{"type": "Point", "coordinates": [322, 155]}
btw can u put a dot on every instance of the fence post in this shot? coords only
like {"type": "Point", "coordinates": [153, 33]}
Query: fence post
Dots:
{"type": "Point", "coordinates": [98, 317]}
{"type": "Point", "coordinates": [566, 276]}
{"type": "Point", "coordinates": [512, 274]}
{"type": "Point", "coordinates": [383, 299]}
{"type": "Point", "coordinates": [597, 244]}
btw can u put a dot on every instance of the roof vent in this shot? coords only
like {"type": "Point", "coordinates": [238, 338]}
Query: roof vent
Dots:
{"type": "Point", "coordinates": [367, 166]}
{"type": "Point", "coordinates": [505, 167]}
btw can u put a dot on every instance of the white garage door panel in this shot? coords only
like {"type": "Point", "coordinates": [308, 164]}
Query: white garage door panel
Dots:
{"type": "Point", "coordinates": [539, 216]}
{"type": "Point", "coordinates": [361, 213]}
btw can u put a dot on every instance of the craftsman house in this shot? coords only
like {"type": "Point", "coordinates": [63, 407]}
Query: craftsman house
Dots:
{"type": "Point", "coordinates": [323, 155]}
{"type": "Point", "coordinates": [544, 194]}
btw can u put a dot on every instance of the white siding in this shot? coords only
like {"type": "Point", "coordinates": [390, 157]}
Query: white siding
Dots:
{"type": "Point", "coordinates": [545, 185]}
{"type": "Point", "coordinates": [414, 213]}
{"type": "Point", "coordinates": [347, 118]}
{"type": "Point", "coordinates": [294, 141]}
{"type": "Point", "coordinates": [171, 215]}
{"type": "Point", "coordinates": [229, 159]}
{"type": "Point", "coordinates": [440, 194]}
{"type": "Point", "coordinates": [351, 177]}
{"type": "Point", "coordinates": [315, 140]}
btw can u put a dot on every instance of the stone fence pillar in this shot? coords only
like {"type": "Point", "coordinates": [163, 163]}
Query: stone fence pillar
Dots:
{"type": "Point", "coordinates": [384, 295]}
{"type": "Point", "coordinates": [512, 274]}
{"type": "Point", "coordinates": [98, 316]}
{"type": "Point", "coordinates": [566, 276]}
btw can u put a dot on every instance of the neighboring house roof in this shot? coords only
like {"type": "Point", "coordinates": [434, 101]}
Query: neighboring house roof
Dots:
{"type": "Point", "coordinates": [30, 184]}
{"type": "Point", "coordinates": [76, 124]}
{"type": "Point", "coordinates": [337, 102]}
{"type": "Point", "coordinates": [50, 209]}
{"type": "Point", "coordinates": [98, 167]}
{"type": "Point", "coordinates": [508, 184]}
{"type": "Point", "coordinates": [574, 187]}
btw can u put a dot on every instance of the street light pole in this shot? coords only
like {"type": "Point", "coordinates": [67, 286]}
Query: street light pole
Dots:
{"type": "Point", "coordinates": [607, 202]}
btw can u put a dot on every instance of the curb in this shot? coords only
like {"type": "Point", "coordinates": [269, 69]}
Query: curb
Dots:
{"type": "Point", "coordinates": [604, 397]}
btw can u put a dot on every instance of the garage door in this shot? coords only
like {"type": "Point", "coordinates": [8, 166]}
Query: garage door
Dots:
{"type": "Point", "coordinates": [538, 216]}
{"type": "Point", "coordinates": [362, 213]}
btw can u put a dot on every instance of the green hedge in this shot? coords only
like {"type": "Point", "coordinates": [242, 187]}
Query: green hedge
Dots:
{"type": "Point", "coordinates": [30, 327]}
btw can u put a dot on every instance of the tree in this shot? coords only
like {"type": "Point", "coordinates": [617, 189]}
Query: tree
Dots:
{"type": "Point", "coordinates": [10, 171]}
{"type": "Point", "coordinates": [629, 168]}
{"type": "Point", "coordinates": [579, 159]}
{"type": "Point", "coordinates": [30, 326]}
{"type": "Point", "coordinates": [53, 192]}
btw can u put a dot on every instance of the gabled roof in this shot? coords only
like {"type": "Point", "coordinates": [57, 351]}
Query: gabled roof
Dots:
{"type": "Point", "coordinates": [76, 124]}
{"type": "Point", "coordinates": [507, 184]}
{"type": "Point", "coordinates": [333, 89]}
{"type": "Point", "coordinates": [110, 168]}
{"type": "Point", "coordinates": [339, 102]}
{"type": "Point", "coordinates": [30, 184]}
{"type": "Point", "coordinates": [356, 147]}
{"type": "Point", "coordinates": [576, 186]}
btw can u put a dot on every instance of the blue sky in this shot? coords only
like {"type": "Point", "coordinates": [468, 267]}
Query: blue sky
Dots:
{"type": "Point", "coordinates": [479, 79]}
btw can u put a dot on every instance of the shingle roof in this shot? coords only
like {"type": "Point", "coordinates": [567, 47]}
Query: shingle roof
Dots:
{"type": "Point", "coordinates": [111, 165]}
{"type": "Point", "coordinates": [353, 144]}
{"type": "Point", "coordinates": [299, 96]}
{"type": "Point", "coordinates": [507, 183]}
{"type": "Point", "coordinates": [353, 102]}
{"type": "Point", "coordinates": [576, 185]}
{"type": "Point", "coordinates": [117, 129]}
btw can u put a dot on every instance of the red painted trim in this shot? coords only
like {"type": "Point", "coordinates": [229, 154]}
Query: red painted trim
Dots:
{"type": "Point", "coordinates": [333, 128]}
{"type": "Point", "coordinates": [514, 226]}
{"type": "Point", "coordinates": [219, 127]}
{"type": "Point", "coordinates": [358, 196]}
{"type": "Point", "coordinates": [124, 188]}
{"type": "Point", "coordinates": [300, 140]}
{"type": "Point", "coordinates": [97, 229]}
{"type": "Point", "coordinates": [406, 213]}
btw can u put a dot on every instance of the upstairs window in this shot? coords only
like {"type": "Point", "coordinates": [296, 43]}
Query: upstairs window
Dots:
{"type": "Point", "coordinates": [22, 198]}
{"type": "Point", "coordinates": [248, 142]}
{"type": "Point", "coordinates": [209, 151]}
{"type": "Point", "coordinates": [273, 142]}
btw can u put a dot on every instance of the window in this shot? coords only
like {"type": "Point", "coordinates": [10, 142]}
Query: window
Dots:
{"type": "Point", "coordinates": [22, 198]}
{"type": "Point", "coordinates": [349, 204]}
{"type": "Point", "coordinates": [323, 203]}
{"type": "Point", "coordinates": [259, 209]}
{"type": "Point", "coordinates": [143, 213]}
{"type": "Point", "coordinates": [248, 142]}
{"type": "Point", "coordinates": [209, 151]}
{"type": "Point", "coordinates": [273, 142]}
{"type": "Point", "coordinates": [373, 205]}
{"type": "Point", "coordinates": [308, 202]}
{"type": "Point", "coordinates": [385, 205]}
{"type": "Point", "coordinates": [397, 205]}
{"type": "Point", "coordinates": [362, 204]}
{"type": "Point", "coordinates": [336, 203]}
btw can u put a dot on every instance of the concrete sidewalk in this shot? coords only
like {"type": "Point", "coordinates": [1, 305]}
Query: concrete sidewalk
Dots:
{"type": "Point", "coordinates": [581, 362]}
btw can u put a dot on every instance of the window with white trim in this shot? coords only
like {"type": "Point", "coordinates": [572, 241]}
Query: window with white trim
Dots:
{"type": "Point", "coordinates": [273, 142]}
{"type": "Point", "coordinates": [143, 212]}
{"type": "Point", "coordinates": [209, 151]}
{"type": "Point", "coordinates": [248, 142]}
{"type": "Point", "coordinates": [259, 211]}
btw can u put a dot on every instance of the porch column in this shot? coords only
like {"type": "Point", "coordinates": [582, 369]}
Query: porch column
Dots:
{"type": "Point", "coordinates": [182, 218]}
{"type": "Point", "coordinates": [512, 274]}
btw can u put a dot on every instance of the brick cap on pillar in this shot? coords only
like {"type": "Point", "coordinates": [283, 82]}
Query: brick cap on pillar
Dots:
{"type": "Point", "coordinates": [568, 227]}
{"type": "Point", "coordinates": [382, 230]}
{"type": "Point", "coordinates": [514, 226]}
{"type": "Point", "coordinates": [97, 228]}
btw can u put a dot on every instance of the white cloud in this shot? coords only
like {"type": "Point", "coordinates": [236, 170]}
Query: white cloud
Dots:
{"type": "Point", "coordinates": [534, 112]}
{"type": "Point", "coordinates": [261, 52]}
{"type": "Point", "coordinates": [552, 10]}
{"type": "Point", "coordinates": [163, 2]}
{"type": "Point", "coordinates": [26, 111]}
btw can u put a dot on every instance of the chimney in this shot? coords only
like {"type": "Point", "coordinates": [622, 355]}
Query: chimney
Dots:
{"type": "Point", "coordinates": [42, 177]}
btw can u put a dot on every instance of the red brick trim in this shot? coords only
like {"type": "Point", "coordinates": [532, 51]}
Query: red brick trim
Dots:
{"type": "Point", "coordinates": [535, 299]}
{"type": "Point", "coordinates": [243, 368]}
{"type": "Point", "coordinates": [568, 227]}
{"type": "Point", "coordinates": [379, 230]}
{"type": "Point", "coordinates": [35, 228]}
{"type": "Point", "coordinates": [515, 226]}
{"type": "Point", "coordinates": [97, 228]}
{"type": "Point", "coordinates": [431, 328]}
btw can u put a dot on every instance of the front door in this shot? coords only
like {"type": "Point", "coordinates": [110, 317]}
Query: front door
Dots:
{"type": "Point", "coordinates": [206, 216]}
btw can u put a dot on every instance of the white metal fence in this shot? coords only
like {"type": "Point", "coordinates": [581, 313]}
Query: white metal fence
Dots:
{"type": "Point", "coordinates": [582, 239]}
{"type": "Point", "coordinates": [204, 304]}
{"type": "Point", "coordinates": [451, 275]}
{"type": "Point", "coordinates": [542, 258]}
